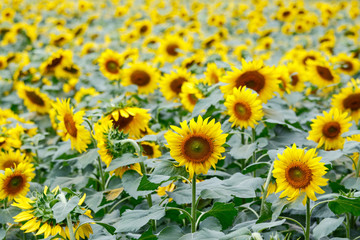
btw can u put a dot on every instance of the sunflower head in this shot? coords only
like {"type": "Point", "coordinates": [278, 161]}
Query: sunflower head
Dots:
{"type": "Point", "coordinates": [11, 159]}
{"type": "Point", "coordinates": [198, 147]}
{"type": "Point", "coordinates": [110, 63]}
{"type": "Point", "coordinates": [297, 172]}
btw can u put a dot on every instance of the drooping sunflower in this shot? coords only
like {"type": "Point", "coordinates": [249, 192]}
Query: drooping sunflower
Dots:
{"type": "Point", "coordinates": [110, 63]}
{"type": "Point", "coordinates": [105, 132]}
{"type": "Point", "coordinates": [15, 182]}
{"type": "Point", "coordinates": [142, 75]}
{"type": "Point", "coordinates": [348, 100]}
{"type": "Point", "coordinates": [244, 108]}
{"type": "Point", "coordinates": [131, 120]}
{"type": "Point", "coordinates": [189, 95]}
{"type": "Point", "coordinates": [346, 64]}
{"type": "Point", "coordinates": [11, 159]}
{"type": "Point", "coordinates": [297, 171]}
{"type": "Point", "coordinates": [262, 79]}
{"type": "Point", "coordinates": [197, 146]}
{"type": "Point", "coordinates": [213, 74]}
{"type": "Point", "coordinates": [170, 84]}
{"type": "Point", "coordinates": [321, 73]}
{"type": "Point", "coordinates": [34, 100]}
{"type": "Point", "coordinates": [150, 149]}
{"type": "Point", "coordinates": [70, 125]}
{"type": "Point", "coordinates": [172, 47]}
{"type": "Point", "coordinates": [327, 130]}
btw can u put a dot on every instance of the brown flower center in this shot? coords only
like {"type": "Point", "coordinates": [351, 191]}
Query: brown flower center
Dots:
{"type": "Point", "coordinates": [55, 62]}
{"type": "Point", "coordinates": [251, 79]}
{"type": "Point", "coordinates": [71, 69]}
{"type": "Point", "coordinates": [10, 164]}
{"type": "Point", "coordinates": [308, 57]}
{"type": "Point", "coordinates": [112, 66]}
{"type": "Point", "coordinates": [140, 78]}
{"type": "Point", "coordinates": [122, 122]}
{"type": "Point", "coordinates": [325, 73]}
{"type": "Point", "coordinates": [214, 78]}
{"type": "Point", "coordinates": [286, 13]}
{"type": "Point", "coordinates": [192, 98]}
{"type": "Point", "coordinates": [294, 79]}
{"type": "Point", "coordinates": [197, 148]}
{"type": "Point", "coordinates": [352, 101]}
{"type": "Point", "coordinates": [70, 125]}
{"type": "Point", "coordinates": [147, 150]}
{"type": "Point", "coordinates": [34, 98]}
{"type": "Point", "coordinates": [242, 111]}
{"type": "Point", "coordinates": [14, 184]}
{"type": "Point", "coordinates": [143, 29]}
{"type": "Point", "coordinates": [298, 175]}
{"type": "Point", "coordinates": [171, 49]}
{"type": "Point", "coordinates": [346, 66]}
{"type": "Point", "coordinates": [176, 84]}
{"type": "Point", "coordinates": [331, 129]}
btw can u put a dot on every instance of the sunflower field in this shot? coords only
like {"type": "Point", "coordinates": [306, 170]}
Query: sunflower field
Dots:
{"type": "Point", "coordinates": [167, 119]}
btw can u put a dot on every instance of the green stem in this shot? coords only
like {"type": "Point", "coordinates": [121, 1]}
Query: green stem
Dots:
{"type": "Point", "coordinates": [103, 182]}
{"type": "Point", "coordinates": [242, 136]}
{"type": "Point", "coordinates": [253, 155]}
{"type": "Point", "coordinates": [308, 219]}
{"type": "Point", "coordinates": [70, 226]}
{"type": "Point", "coordinates": [180, 210]}
{"type": "Point", "coordinates": [193, 205]}
{"type": "Point", "coordinates": [295, 221]}
{"type": "Point", "coordinates": [116, 204]}
{"type": "Point", "coordinates": [267, 183]}
{"type": "Point", "coordinates": [312, 209]}
{"type": "Point", "coordinates": [347, 225]}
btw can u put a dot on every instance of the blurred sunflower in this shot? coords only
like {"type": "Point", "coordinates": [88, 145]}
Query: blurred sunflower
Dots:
{"type": "Point", "coordinates": [15, 182]}
{"type": "Point", "coordinates": [172, 47]}
{"type": "Point", "coordinates": [262, 79]}
{"type": "Point", "coordinates": [131, 120]}
{"type": "Point", "coordinates": [110, 63]}
{"type": "Point", "coordinates": [297, 171]}
{"type": "Point", "coordinates": [213, 74]}
{"type": "Point", "coordinates": [346, 64]}
{"type": "Point", "coordinates": [327, 130]}
{"type": "Point", "coordinates": [11, 159]}
{"type": "Point", "coordinates": [297, 77]}
{"type": "Point", "coordinates": [144, 76]}
{"type": "Point", "coordinates": [70, 127]}
{"type": "Point", "coordinates": [170, 84]}
{"type": "Point", "coordinates": [10, 138]}
{"type": "Point", "coordinates": [56, 60]}
{"type": "Point", "coordinates": [348, 100]}
{"type": "Point", "coordinates": [189, 95]}
{"type": "Point", "coordinates": [284, 77]}
{"type": "Point", "coordinates": [198, 147]}
{"type": "Point", "coordinates": [3, 62]}
{"type": "Point", "coordinates": [83, 93]}
{"type": "Point", "coordinates": [150, 149]}
{"type": "Point", "coordinates": [34, 100]}
{"type": "Point", "coordinates": [244, 108]}
{"type": "Point", "coordinates": [304, 56]}
{"type": "Point", "coordinates": [321, 74]}
{"type": "Point", "coordinates": [143, 27]}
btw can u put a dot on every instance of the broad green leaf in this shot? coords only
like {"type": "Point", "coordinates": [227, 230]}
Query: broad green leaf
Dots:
{"type": "Point", "coordinates": [169, 168]}
{"type": "Point", "coordinates": [124, 160]}
{"type": "Point", "coordinates": [171, 233]}
{"type": "Point", "coordinates": [242, 151]}
{"type": "Point", "coordinates": [145, 184]}
{"type": "Point", "coordinates": [224, 212]}
{"type": "Point", "coordinates": [205, 103]}
{"type": "Point", "coordinates": [131, 181]}
{"type": "Point", "coordinates": [87, 158]}
{"type": "Point", "coordinates": [327, 226]}
{"type": "Point", "coordinates": [261, 226]}
{"type": "Point", "coordinates": [345, 205]}
{"type": "Point", "coordinates": [61, 210]}
{"type": "Point", "coordinates": [133, 220]}
{"type": "Point", "coordinates": [6, 215]}
{"type": "Point", "coordinates": [254, 166]}
{"type": "Point", "coordinates": [239, 234]}
{"type": "Point", "coordinates": [203, 234]}
{"type": "Point", "coordinates": [2, 234]}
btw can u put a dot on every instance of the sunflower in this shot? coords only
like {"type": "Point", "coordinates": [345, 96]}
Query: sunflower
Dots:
{"type": "Point", "coordinates": [284, 77]}
{"type": "Point", "coordinates": [346, 64]}
{"type": "Point", "coordinates": [244, 108]}
{"type": "Point", "coordinates": [162, 191]}
{"type": "Point", "coordinates": [321, 74]}
{"type": "Point", "coordinates": [327, 130]}
{"type": "Point", "coordinates": [213, 74]}
{"type": "Point", "coordinates": [34, 100]}
{"type": "Point", "coordinates": [104, 134]}
{"type": "Point", "coordinates": [110, 63]}
{"type": "Point", "coordinates": [348, 100]}
{"type": "Point", "coordinates": [297, 171]}
{"type": "Point", "coordinates": [11, 159]}
{"type": "Point", "coordinates": [10, 138]}
{"type": "Point", "coordinates": [143, 27]}
{"type": "Point", "coordinates": [85, 92]}
{"type": "Point", "coordinates": [297, 77]}
{"type": "Point", "coordinates": [150, 149]}
{"type": "Point", "coordinates": [254, 75]}
{"type": "Point", "coordinates": [172, 47]}
{"type": "Point", "coordinates": [198, 147]}
{"type": "Point", "coordinates": [304, 56]}
{"type": "Point", "coordinates": [3, 62]}
{"type": "Point", "coordinates": [170, 84]}
{"type": "Point", "coordinates": [56, 60]}
{"type": "Point", "coordinates": [189, 95]}
{"type": "Point", "coordinates": [70, 125]}
{"type": "Point", "coordinates": [144, 76]}
{"type": "Point", "coordinates": [131, 120]}
{"type": "Point", "coordinates": [15, 181]}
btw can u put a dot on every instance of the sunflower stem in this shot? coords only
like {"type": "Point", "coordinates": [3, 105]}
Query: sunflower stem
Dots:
{"type": "Point", "coordinates": [193, 205]}
{"type": "Point", "coordinates": [103, 182]}
{"type": "Point", "coordinates": [347, 225]}
{"type": "Point", "coordinates": [308, 218]}
{"type": "Point", "coordinates": [254, 154]}
{"type": "Point", "coordinates": [70, 226]}
{"type": "Point", "coordinates": [242, 136]}
{"type": "Point", "coordinates": [267, 183]}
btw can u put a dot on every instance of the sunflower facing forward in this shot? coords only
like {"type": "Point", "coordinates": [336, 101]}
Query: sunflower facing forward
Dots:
{"type": "Point", "coordinates": [15, 182]}
{"type": "Point", "coordinates": [297, 171]}
{"type": "Point", "coordinates": [34, 100]}
{"type": "Point", "coordinates": [244, 108]}
{"type": "Point", "coordinates": [144, 76]}
{"type": "Point", "coordinates": [327, 130]}
{"type": "Point", "coordinates": [198, 147]}
{"type": "Point", "coordinates": [110, 63]}
{"type": "Point", "coordinates": [171, 84]}
{"type": "Point", "coordinates": [70, 125]}
{"type": "Point", "coordinates": [262, 79]}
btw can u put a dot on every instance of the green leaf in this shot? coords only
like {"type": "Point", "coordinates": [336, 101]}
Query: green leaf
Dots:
{"type": "Point", "coordinates": [224, 212]}
{"type": "Point", "coordinates": [148, 235]}
{"type": "Point", "coordinates": [169, 168]}
{"type": "Point", "coordinates": [145, 184]}
{"type": "Point", "coordinates": [242, 151]}
{"type": "Point", "coordinates": [171, 233]}
{"type": "Point", "coordinates": [133, 220]}
{"type": "Point", "coordinates": [327, 226]}
{"type": "Point", "coordinates": [205, 103]}
{"type": "Point", "coordinates": [131, 181]}
{"type": "Point", "coordinates": [124, 160]}
{"type": "Point", "coordinates": [85, 219]}
{"type": "Point", "coordinates": [61, 210]}
{"type": "Point", "coordinates": [261, 226]}
{"type": "Point", "coordinates": [254, 166]}
{"type": "Point", "coordinates": [8, 214]}
{"type": "Point", "coordinates": [345, 205]}
{"type": "Point", "coordinates": [2, 234]}
{"type": "Point", "coordinates": [88, 158]}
